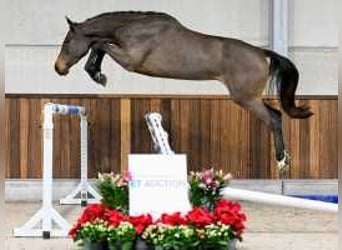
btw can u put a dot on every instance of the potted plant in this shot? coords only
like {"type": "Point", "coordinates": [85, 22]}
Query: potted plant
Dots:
{"type": "Point", "coordinates": [206, 186]}
{"type": "Point", "coordinates": [121, 237]}
{"type": "Point", "coordinates": [114, 190]}
{"type": "Point", "coordinates": [217, 236]}
{"type": "Point", "coordinates": [166, 237]}
{"type": "Point", "coordinates": [93, 235]}
{"type": "Point", "coordinates": [90, 230]}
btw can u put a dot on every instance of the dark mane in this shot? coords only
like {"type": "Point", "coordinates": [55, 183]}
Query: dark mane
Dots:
{"type": "Point", "coordinates": [131, 14]}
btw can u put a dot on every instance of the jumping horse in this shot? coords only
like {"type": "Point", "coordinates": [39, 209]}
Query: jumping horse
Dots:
{"type": "Point", "coordinates": [158, 45]}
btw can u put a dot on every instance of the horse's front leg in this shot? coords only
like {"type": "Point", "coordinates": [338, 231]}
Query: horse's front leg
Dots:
{"type": "Point", "coordinates": [93, 66]}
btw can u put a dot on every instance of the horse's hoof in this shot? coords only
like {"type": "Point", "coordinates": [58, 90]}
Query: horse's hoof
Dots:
{"type": "Point", "coordinates": [284, 172]}
{"type": "Point", "coordinates": [284, 165]}
{"type": "Point", "coordinates": [100, 79]}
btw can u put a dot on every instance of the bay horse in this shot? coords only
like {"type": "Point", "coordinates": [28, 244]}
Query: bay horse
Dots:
{"type": "Point", "coordinates": [158, 45]}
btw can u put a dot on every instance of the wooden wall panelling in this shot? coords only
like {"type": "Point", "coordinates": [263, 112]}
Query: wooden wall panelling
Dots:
{"type": "Point", "coordinates": [125, 132]}
{"type": "Point", "coordinates": [213, 152]}
{"type": "Point", "coordinates": [204, 138]}
{"type": "Point", "coordinates": [105, 140]}
{"type": "Point", "coordinates": [141, 141]}
{"type": "Point", "coordinates": [23, 135]}
{"type": "Point", "coordinates": [194, 136]}
{"type": "Point", "coordinates": [212, 132]}
{"type": "Point", "coordinates": [8, 138]}
{"type": "Point", "coordinates": [13, 159]}
{"type": "Point", "coordinates": [328, 152]}
{"type": "Point", "coordinates": [180, 126]}
{"type": "Point", "coordinates": [313, 136]}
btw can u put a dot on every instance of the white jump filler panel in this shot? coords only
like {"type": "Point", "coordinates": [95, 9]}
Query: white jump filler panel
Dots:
{"type": "Point", "coordinates": [41, 224]}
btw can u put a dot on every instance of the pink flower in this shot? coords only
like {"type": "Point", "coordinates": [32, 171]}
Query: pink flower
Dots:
{"type": "Point", "coordinates": [208, 174]}
{"type": "Point", "coordinates": [127, 176]}
{"type": "Point", "coordinates": [124, 179]}
{"type": "Point", "coordinates": [214, 184]}
{"type": "Point", "coordinates": [208, 181]}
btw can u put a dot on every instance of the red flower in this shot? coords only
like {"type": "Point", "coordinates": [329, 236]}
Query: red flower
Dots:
{"type": "Point", "coordinates": [173, 219]}
{"type": "Point", "coordinates": [225, 205]}
{"type": "Point", "coordinates": [226, 218]}
{"type": "Point", "coordinates": [140, 222]}
{"type": "Point", "coordinates": [230, 213]}
{"type": "Point", "coordinates": [73, 231]}
{"type": "Point", "coordinates": [114, 217]}
{"type": "Point", "coordinates": [199, 217]}
{"type": "Point", "coordinates": [92, 212]}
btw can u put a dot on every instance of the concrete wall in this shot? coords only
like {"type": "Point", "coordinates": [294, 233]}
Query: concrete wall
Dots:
{"type": "Point", "coordinates": [36, 30]}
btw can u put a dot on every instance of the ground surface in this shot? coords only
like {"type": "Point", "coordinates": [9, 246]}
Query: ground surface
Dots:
{"type": "Point", "coordinates": [268, 228]}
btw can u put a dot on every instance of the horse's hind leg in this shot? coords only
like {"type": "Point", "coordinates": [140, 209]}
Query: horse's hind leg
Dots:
{"type": "Point", "coordinates": [281, 154]}
{"type": "Point", "coordinates": [93, 66]}
{"type": "Point", "coordinates": [272, 118]}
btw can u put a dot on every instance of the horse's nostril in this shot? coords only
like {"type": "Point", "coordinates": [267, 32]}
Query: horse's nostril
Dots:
{"type": "Point", "coordinates": [61, 69]}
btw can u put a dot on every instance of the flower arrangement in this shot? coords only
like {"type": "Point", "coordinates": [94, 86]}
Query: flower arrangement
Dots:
{"type": "Point", "coordinates": [100, 224]}
{"type": "Point", "coordinates": [213, 223]}
{"type": "Point", "coordinates": [206, 186]}
{"type": "Point", "coordinates": [114, 190]}
{"type": "Point", "coordinates": [198, 229]}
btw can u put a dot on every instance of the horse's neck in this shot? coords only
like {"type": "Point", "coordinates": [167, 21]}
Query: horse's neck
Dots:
{"type": "Point", "coordinates": [100, 28]}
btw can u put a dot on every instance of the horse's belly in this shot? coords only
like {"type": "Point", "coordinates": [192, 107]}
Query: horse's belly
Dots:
{"type": "Point", "coordinates": [172, 70]}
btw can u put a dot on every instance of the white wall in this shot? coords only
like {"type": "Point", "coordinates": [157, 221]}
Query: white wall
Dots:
{"type": "Point", "coordinates": [313, 23]}
{"type": "Point", "coordinates": [313, 41]}
{"type": "Point", "coordinates": [37, 28]}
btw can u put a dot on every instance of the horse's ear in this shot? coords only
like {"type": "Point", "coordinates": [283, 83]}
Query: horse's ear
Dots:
{"type": "Point", "coordinates": [70, 23]}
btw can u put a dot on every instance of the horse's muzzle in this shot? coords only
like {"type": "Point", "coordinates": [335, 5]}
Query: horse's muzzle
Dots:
{"type": "Point", "coordinates": [61, 68]}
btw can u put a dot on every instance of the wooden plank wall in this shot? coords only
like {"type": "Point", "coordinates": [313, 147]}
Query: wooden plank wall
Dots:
{"type": "Point", "coordinates": [212, 131]}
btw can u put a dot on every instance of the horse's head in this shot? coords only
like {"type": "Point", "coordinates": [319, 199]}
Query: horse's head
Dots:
{"type": "Point", "coordinates": [75, 46]}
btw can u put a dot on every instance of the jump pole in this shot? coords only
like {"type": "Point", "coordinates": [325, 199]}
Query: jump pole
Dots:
{"type": "Point", "coordinates": [280, 200]}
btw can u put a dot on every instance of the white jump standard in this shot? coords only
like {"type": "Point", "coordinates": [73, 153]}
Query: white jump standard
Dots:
{"type": "Point", "coordinates": [80, 195]}
{"type": "Point", "coordinates": [40, 225]}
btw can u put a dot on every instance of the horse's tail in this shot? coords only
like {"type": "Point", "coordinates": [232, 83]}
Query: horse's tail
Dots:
{"type": "Point", "coordinates": [284, 75]}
